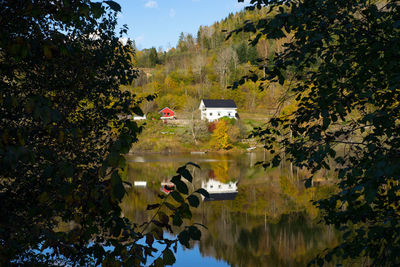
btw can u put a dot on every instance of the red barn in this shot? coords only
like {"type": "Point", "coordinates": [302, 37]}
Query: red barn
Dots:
{"type": "Point", "coordinates": [167, 113]}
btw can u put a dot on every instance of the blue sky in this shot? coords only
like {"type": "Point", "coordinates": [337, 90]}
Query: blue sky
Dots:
{"type": "Point", "coordinates": [159, 22]}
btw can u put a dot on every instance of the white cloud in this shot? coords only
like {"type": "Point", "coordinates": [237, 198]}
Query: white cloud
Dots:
{"type": "Point", "coordinates": [172, 12]}
{"type": "Point", "coordinates": [151, 4]}
{"type": "Point", "coordinates": [139, 38]}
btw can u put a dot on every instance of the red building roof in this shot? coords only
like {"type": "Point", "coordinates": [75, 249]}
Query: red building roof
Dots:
{"type": "Point", "coordinates": [167, 112]}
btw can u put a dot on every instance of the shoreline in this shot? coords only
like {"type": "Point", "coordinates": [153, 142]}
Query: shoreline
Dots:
{"type": "Point", "coordinates": [235, 151]}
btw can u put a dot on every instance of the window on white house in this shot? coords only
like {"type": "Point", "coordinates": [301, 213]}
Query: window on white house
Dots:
{"type": "Point", "coordinates": [210, 113]}
{"type": "Point", "coordinates": [229, 114]}
{"type": "Point", "coordinates": [219, 113]}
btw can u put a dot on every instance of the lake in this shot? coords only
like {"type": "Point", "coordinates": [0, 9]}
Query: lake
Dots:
{"type": "Point", "coordinates": [256, 217]}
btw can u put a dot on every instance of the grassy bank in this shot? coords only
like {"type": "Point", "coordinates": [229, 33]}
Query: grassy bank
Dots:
{"type": "Point", "coordinates": [186, 135]}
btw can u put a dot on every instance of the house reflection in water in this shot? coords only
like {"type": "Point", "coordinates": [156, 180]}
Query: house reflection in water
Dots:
{"type": "Point", "coordinates": [220, 191]}
{"type": "Point", "coordinates": [167, 187]}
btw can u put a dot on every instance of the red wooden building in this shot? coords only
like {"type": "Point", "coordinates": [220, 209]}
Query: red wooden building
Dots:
{"type": "Point", "coordinates": [167, 113]}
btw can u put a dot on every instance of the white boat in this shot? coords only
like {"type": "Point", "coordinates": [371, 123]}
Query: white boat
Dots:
{"type": "Point", "coordinates": [140, 183]}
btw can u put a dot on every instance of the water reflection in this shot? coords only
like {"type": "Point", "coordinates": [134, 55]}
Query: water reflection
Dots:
{"type": "Point", "coordinates": [261, 218]}
{"type": "Point", "coordinates": [220, 191]}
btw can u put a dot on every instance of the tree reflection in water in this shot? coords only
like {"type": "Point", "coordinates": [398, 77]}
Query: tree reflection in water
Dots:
{"type": "Point", "coordinates": [270, 222]}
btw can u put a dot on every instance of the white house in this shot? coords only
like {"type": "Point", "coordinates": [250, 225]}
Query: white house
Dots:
{"type": "Point", "coordinates": [213, 109]}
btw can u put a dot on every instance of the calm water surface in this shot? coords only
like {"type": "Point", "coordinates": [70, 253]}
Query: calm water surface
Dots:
{"type": "Point", "coordinates": [257, 218]}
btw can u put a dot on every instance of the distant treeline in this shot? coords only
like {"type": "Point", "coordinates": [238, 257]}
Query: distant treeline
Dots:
{"type": "Point", "coordinates": [205, 65]}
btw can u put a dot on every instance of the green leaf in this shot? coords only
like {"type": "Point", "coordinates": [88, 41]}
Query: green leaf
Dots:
{"type": "Point", "coordinates": [170, 206]}
{"type": "Point", "coordinates": [203, 192]}
{"type": "Point", "coordinates": [152, 207]}
{"type": "Point", "coordinates": [47, 51]}
{"type": "Point", "coordinates": [175, 179]}
{"type": "Point", "coordinates": [193, 164]}
{"type": "Point", "coordinates": [117, 186]}
{"type": "Point", "coordinates": [185, 173]}
{"type": "Point", "coordinates": [66, 189]}
{"type": "Point", "coordinates": [97, 9]}
{"type": "Point", "coordinates": [193, 201]}
{"type": "Point", "coordinates": [202, 225]}
{"type": "Point", "coordinates": [113, 5]}
{"type": "Point", "coordinates": [122, 162]}
{"type": "Point", "coordinates": [149, 239]}
{"type": "Point", "coordinates": [113, 158]}
{"type": "Point", "coordinates": [168, 257]}
{"type": "Point", "coordinates": [194, 232]}
{"type": "Point", "coordinates": [177, 219]}
{"type": "Point", "coordinates": [158, 263]}
{"type": "Point", "coordinates": [308, 183]}
{"type": "Point", "coordinates": [370, 194]}
{"type": "Point", "coordinates": [137, 110]}
{"type": "Point", "coordinates": [159, 234]}
{"type": "Point", "coordinates": [326, 122]}
{"type": "Point", "coordinates": [328, 257]}
{"type": "Point", "coordinates": [184, 238]}
{"type": "Point", "coordinates": [182, 187]}
{"type": "Point", "coordinates": [44, 197]}
{"type": "Point", "coordinates": [163, 217]}
{"type": "Point", "coordinates": [127, 183]}
{"type": "Point", "coordinates": [276, 161]}
{"type": "Point", "coordinates": [177, 196]}
{"type": "Point", "coordinates": [184, 210]}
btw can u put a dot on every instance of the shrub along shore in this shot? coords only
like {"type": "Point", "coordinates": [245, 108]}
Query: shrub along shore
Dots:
{"type": "Point", "coordinates": [225, 135]}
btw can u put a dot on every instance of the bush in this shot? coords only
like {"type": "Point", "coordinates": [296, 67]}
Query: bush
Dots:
{"type": "Point", "coordinates": [211, 127]}
{"type": "Point", "coordinates": [153, 116]}
{"type": "Point", "coordinates": [229, 121]}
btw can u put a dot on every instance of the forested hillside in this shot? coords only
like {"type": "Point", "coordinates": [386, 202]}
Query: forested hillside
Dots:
{"type": "Point", "coordinates": [203, 66]}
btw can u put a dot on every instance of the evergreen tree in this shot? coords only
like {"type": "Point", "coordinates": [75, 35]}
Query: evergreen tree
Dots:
{"type": "Point", "coordinates": [241, 51]}
{"type": "Point", "coordinates": [153, 57]}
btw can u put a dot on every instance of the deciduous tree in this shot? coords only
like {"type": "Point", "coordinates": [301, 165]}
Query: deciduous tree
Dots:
{"type": "Point", "coordinates": [343, 66]}
{"type": "Point", "coordinates": [220, 137]}
{"type": "Point", "coordinates": [64, 130]}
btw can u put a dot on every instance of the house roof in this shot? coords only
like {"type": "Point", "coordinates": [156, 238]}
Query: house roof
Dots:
{"type": "Point", "coordinates": [219, 103]}
{"type": "Point", "coordinates": [165, 108]}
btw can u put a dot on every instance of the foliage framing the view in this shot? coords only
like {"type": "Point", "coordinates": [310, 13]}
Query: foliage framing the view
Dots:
{"type": "Point", "coordinates": [63, 131]}
{"type": "Point", "coordinates": [343, 68]}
